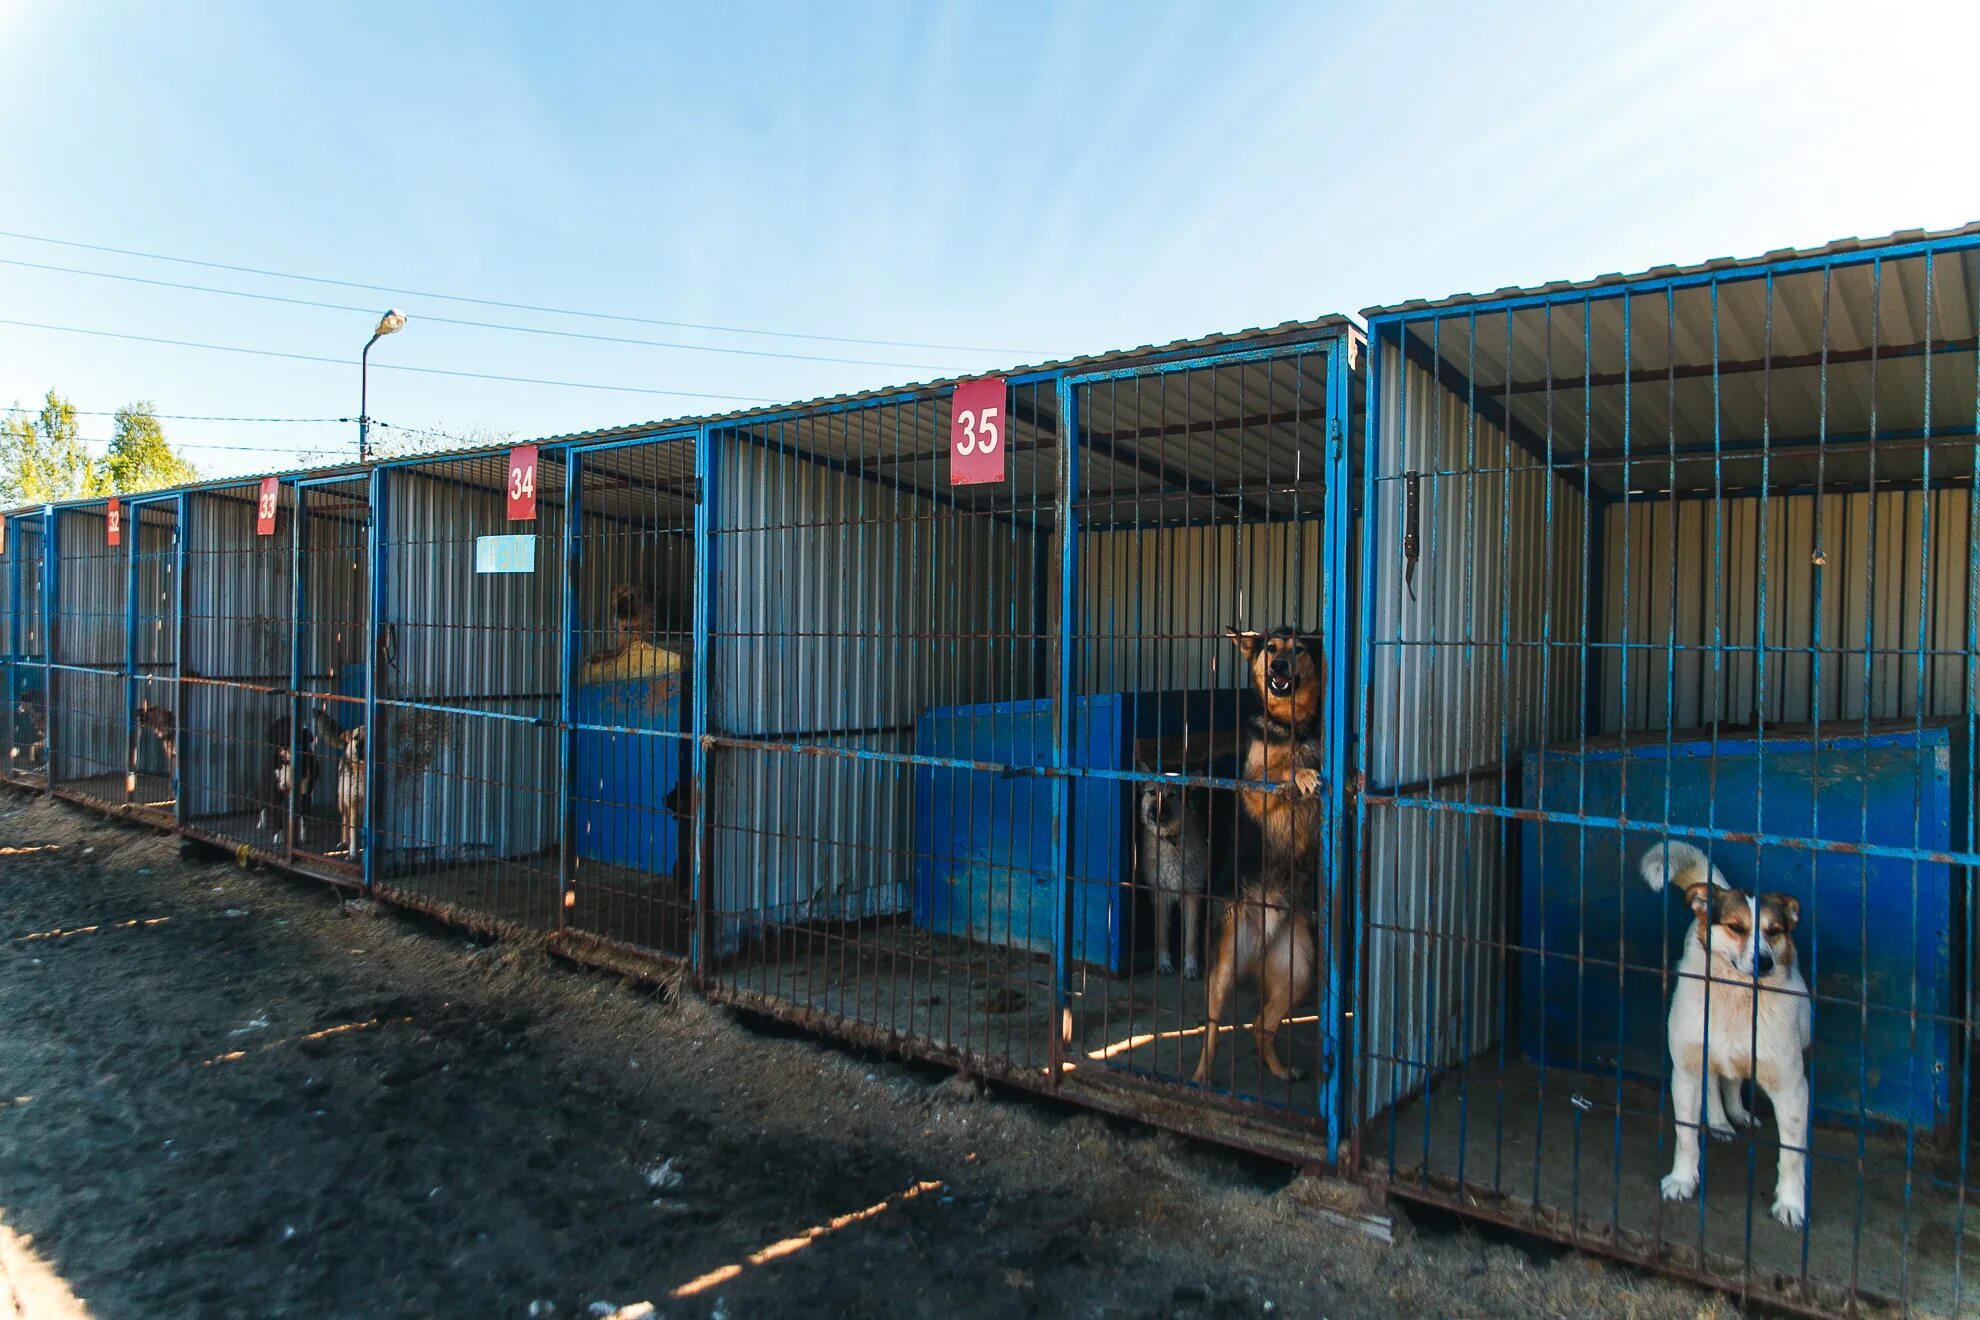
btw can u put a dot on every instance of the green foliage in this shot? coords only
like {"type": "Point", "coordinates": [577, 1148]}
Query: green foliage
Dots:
{"type": "Point", "coordinates": [42, 457]}
{"type": "Point", "coordinates": [140, 458]}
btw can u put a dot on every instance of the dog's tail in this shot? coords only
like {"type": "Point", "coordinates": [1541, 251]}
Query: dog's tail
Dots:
{"type": "Point", "coordinates": [1675, 862]}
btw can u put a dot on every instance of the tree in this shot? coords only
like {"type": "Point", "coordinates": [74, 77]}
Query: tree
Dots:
{"type": "Point", "coordinates": [139, 457]}
{"type": "Point", "coordinates": [42, 458]}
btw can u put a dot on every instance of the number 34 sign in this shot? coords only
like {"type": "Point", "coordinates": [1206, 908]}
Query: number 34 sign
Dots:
{"type": "Point", "coordinates": [976, 433]}
{"type": "Point", "coordinates": [522, 483]}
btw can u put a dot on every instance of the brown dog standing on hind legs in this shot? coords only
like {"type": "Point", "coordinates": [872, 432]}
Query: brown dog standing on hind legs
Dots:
{"type": "Point", "coordinates": [1264, 934]}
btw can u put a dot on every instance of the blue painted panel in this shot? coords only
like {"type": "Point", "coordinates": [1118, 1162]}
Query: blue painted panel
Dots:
{"type": "Point", "coordinates": [1873, 931]}
{"type": "Point", "coordinates": [621, 779]}
{"type": "Point", "coordinates": [984, 864]}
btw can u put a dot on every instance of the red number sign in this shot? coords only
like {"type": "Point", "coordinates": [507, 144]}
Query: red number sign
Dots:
{"type": "Point", "coordinates": [977, 433]}
{"type": "Point", "coordinates": [113, 521]}
{"type": "Point", "coordinates": [264, 508]}
{"type": "Point", "coordinates": [522, 483]}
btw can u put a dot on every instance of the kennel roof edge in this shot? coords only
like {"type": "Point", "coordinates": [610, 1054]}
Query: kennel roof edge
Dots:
{"type": "Point", "coordinates": [1712, 266]}
{"type": "Point", "coordinates": [1323, 327]}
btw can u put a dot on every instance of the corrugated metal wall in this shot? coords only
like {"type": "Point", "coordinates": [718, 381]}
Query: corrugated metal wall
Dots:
{"type": "Point", "coordinates": [95, 584]}
{"type": "Point", "coordinates": [460, 785]}
{"type": "Point", "coordinates": [1893, 577]}
{"type": "Point", "coordinates": [157, 639]}
{"type": "Point", "coordinates": [87, 709]}
{"type": "Point", "coordinates": [845, 608]}
{"type": "Point", "coordinates": [1154, 603]}
{"type": "Point", "coordinates": [237, 642]}
{"type": "Point", "coordinates": [1459, 683]}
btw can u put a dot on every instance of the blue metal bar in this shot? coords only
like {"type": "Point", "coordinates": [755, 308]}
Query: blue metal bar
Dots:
{"type": "Point", "coordinates": [1062, 716]}
{"type": "Point", "coordinates": [566, 694]}
{"type": "Point", "coordinates": [180, 538]}
{"type": "Point", "coordinates": [51, 540]}
{"type": "Point", "coordinates": [701, 902]}
{"type": "Point", "coordinates": [1746, 838]}
{"type": "Point", "coordinates": [374, 740]}
{"type": "Point", "coordinates": [298, 714]}
{"type": "Point", "coordinates": [1335, 585]}
{"type": "Point", "coordinates": [1362, 845]}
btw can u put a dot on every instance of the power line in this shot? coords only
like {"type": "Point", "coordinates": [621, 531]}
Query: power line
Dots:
{"type": "Point", "coordinates": [198, 417]}
{"type": "Point", "coordinates": [515, 306]}
{"type": "Point", "coordinates": [387, 366]}
{"type": "Point", "coordinates": [478, 325]}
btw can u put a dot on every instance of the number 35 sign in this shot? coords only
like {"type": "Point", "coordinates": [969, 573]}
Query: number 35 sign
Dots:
{"type": "Point", "coordinates": [976, 433]}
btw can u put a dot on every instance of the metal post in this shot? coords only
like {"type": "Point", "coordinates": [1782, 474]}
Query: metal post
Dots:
{"type": "Point", "coordinates": [567, 695]}
{"type": "Point", "coordinates": [299, 738]}
{"type": "Point", "coordinates": [179, 590]}
{"type": "Point", "coordinates": [50, 584]}
{"type": "Point", "coordinates": [1062, 718]}
{"type": "Point", "coordinates": [133, 528]}
{"type": "Point", "coordinates": [701, 899]}
{"type": "Point", "coordinates": [374, 744]}
{"type": "Point", "coordinates": [364, 424]}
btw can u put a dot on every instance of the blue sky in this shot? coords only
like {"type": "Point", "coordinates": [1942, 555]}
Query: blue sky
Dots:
{"type": "Point", "coordinates": [1024, 180]}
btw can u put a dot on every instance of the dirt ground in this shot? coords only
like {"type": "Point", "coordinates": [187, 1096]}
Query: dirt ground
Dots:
{"type": "Point", "coordinates": [223, 1094]}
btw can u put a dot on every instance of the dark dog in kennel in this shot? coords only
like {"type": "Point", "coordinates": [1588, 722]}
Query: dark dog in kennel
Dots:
{"type": "Point", "coordinates": [1172, 863]}
{"type": "Point", "coordinates": [1265, 934]}
{"type": "Point", "coordinates": [278, 767]}
{"type": "Point", "coordinates": [32, 709]}
{"type": "Point", "coordinates": [159, 722]}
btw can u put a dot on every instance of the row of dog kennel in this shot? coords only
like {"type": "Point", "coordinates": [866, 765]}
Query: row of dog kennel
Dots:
{"type": "Point", "coordinates": [1679, 560]}
{"type": "Point", "coordinates": [774, 695]}
{"type": "Point", "coordinates": [1569, 578]}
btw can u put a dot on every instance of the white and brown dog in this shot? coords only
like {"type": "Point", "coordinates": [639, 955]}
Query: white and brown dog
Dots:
{"type": "Point", "coordinates": [1741, 1012]}
{"type": "Point", "coordinates": [1172, 858]}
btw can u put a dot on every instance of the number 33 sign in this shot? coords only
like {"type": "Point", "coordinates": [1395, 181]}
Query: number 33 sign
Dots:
{"type": "Point", "coordinates": [976, 433]}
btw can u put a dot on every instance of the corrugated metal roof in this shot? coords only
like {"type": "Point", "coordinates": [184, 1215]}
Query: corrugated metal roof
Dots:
{"type": "Point", "coordinates": [1866, 360]}
{"type": "Point", "coordinates": [1834, 248]}
{"type": "Point", "coordinates": [1284, 331]}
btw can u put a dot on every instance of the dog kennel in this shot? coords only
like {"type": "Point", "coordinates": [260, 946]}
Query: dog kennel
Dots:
{"type": "Point", "coordinates": [26, 564]}
{"type": "Point", "coordinates": [331, 657]}
{"type": "Point", "coordinates": [88, 705]}
{"type": "Point", "coordinates": [232, 720]}
{"type": "Point", "coordinates": [1688, 555]}
{"type": "Point", "coordinates": [628, 692]}
{"type": "Point", "coordinates": [152, 658]}
{"type": "Point", "coordinates": [932, 702]}
{"type": "Point", "coordinates": [462, 743]}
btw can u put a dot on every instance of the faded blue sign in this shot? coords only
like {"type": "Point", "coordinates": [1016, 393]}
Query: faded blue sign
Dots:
{"type": "Point", "coordinates": [505, 554]}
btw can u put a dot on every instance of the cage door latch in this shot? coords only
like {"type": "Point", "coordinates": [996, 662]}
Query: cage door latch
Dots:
{"type": "Point", "coordinates": [1412, 486]}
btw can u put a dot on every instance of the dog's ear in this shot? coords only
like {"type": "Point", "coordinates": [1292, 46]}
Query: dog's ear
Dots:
{"type": "Point", "coordinates": [1699, 897]}
{"type": "Point", "coordinates": [1247, 642]}
{"type": "Point", "coordinates": [1789, 908]}
{"type": "Point", "coordinates": [1141, 767]}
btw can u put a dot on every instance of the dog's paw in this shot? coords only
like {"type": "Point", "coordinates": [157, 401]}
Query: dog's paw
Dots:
{"type": "Point", "coordinates": [1790, 1213]}
{"type": "Point", "coordinates": [1165, 964]}
{"type": "Point", "coordinates": [1191, 972]}
{"type": "Point", "coordinates": [1721, 1132]}
{"type": "Point", "coordinates": [1679, 1186]}
{"type": "Point", "coordinates": [1306, 782]}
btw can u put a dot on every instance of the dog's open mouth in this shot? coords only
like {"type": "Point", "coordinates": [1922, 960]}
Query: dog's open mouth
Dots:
{"type": "Point", "coordinates": [1278, 684]}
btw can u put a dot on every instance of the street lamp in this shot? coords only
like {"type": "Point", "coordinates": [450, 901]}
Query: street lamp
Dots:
{"type": "Point", "coordinates": [390, 323]}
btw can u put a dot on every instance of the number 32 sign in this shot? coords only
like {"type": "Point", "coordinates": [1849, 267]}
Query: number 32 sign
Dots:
{"type": "Point", "coordinates": [976, 433]}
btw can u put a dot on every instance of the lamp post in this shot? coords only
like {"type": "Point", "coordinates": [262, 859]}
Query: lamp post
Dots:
{"type": "Point", "coordinates": [390, 323]}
